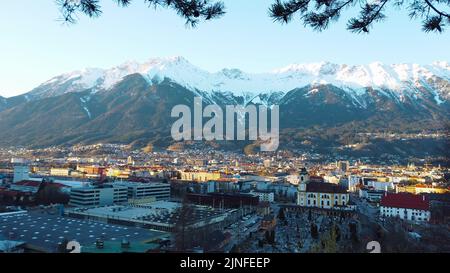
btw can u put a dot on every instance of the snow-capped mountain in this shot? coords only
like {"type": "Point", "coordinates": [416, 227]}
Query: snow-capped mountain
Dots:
{"type": "Point", "coordinates": [402, 80]}
{"type": "Point", "coordinates": [131, 103]}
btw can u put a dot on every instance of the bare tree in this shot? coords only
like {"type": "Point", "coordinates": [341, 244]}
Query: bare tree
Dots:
{"type": "Point", "coordinates": [182, 218]}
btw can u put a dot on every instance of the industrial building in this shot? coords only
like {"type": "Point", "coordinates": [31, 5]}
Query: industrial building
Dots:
{"type": "Point", "coordinates": [160, 215]}
{"type": "Point", "coordinates": [98, 195]}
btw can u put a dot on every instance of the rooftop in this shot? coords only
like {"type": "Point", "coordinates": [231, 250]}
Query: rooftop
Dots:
{"type": "Point", "coordinates": [324, 187]}
{"type": "Point", "coordinates": [46, 231]}
{"type": "Point", "coordinates": [405, 200]}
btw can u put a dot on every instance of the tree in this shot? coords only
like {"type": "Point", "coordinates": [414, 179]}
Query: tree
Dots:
{"type": "Point", "coordinates": [281, 215]}
{"type": "Point", "coordinates": [329, 244]}
{"type": "Point", "coordinates": [267, 236]}
{"type": "Point", "coordinates": [51, 194]}
{"type": "Point", "coordinates": [314, 231]}
{"type": "Point", "coordinates": [353, 232]}
{"type": "Point", "coordinates": [182, 218]}
{"type": "Point", "coordinates": [337, 231]}
{"type": "Point", "coordinates": [317, 14]}
{"type": "Point", "coordinates": [191, 10]}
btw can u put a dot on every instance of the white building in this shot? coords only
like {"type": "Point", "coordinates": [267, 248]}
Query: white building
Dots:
{"type": "Point", "coordinates": [293, 179]}
{"type": "Point", "coordinates": [21, 172]}
{"type": "Point", "coordinates": [60, 171]}
{"type": "Point", "coordinates": [161, 191]}
{"type": "Point", "coordinates": [405, 206]}
{"type": "Point", "coordinates": [265, 196]}
{"type": "Point", "coordinates": [98, 196]}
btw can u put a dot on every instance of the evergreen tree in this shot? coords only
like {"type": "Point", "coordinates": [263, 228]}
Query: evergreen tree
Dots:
{"type": "Point", "coordinates": [317, 14]}
{"type": "Point", "coordinates": [281, 215]}
{"type": "Point", "coordinates": [314, 231]}
{"type": "Point", "coordinates": [338, 232]}
{"type": "Point", "coordinates": [191, 10]}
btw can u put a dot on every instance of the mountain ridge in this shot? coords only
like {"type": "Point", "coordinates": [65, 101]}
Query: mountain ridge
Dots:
{"type": "Point", "coordinates": [135, 109]}
{"type": "Point", "coordinates": [354, 78]}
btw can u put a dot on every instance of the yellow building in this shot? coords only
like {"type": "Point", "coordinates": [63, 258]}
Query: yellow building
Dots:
{"type": "Point", "coordinates": [418, 189]}
{"type": "Point", "coordinates": [200, 176]}
{"type": "Point", "coordinates": [118, 173]}
{"type": "Point", "coordinates": [60, 171]}
{"type": "Point", "coordinates": [320, 194]}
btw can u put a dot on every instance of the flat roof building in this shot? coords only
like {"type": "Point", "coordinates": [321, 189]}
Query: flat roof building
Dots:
{"type": "Point", "coordinates": [98, 195]}
{"type": "Point", "coordinates": [43, 232]}
{"type": "Point", "coordinates": [137, 190]}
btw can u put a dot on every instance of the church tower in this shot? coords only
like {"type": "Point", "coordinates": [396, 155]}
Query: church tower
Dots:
{"type": "Point", "coordinates": [301, 189]}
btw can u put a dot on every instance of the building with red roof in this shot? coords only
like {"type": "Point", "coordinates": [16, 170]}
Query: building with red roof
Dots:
{"type": "Point", "coordinates": [26, 186]}
{"type": "Point", "coordinates": [405, 206]}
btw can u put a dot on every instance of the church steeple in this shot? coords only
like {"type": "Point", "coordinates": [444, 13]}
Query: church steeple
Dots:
{"type": "Point", "coordinates": [301, 189]}
{"type": "Point", "coordinates": [303, 178]}
{"type": "Point", "coordinates": [303, 175]}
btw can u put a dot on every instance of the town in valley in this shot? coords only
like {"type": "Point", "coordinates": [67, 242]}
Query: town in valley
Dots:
{"type": "Point", "coordinates": [109, 198]}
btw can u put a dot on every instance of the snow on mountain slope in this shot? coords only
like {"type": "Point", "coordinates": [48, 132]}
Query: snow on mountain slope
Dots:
{"type": "Point", "coordinates": [352, 78]}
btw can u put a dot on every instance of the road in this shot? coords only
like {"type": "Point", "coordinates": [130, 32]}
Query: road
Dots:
{"type": "Point", "coordinates": [242, 230]}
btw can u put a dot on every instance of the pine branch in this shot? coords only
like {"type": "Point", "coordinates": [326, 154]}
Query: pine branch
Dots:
{"type": "Point", "coordinates": [320, 20]}
{"type": "Point", "coordinates": [316, 14]}
{"type": "Point", "coordinates": [283, 12]}
{"type": "Point", "coordinates": [369, 14]}
{"type": "Point", "coordinates": [191, 10]}
{"type": "Point", "coordinates": [433, 18]}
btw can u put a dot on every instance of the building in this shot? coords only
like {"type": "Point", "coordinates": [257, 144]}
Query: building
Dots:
{"type": "Point", "coordinates": [343, 166]}
{"type": "Point", "coordinates": [160, 215]}
{"type": "Point", "coordinates": [9, 246]}
{"type": "Point", "coordinates": [303, 176]}
{"type": "Point", "coordinates": [26, 186]}
{"type": "Point", "coordinates": [224, 200]}
{"type": "Point", "coordinates": [405, 206]}
{"type": "Point", "coordinates": [60, 171]}
{"type": "Point", "coordinates": [21, 172]}
{"type": "Point", "coordinates": [371, 195]}
{"type": "Point", "coordinates": [321, 195]}
{"type": "Point", "coordinates": [421, 188]}
{"type": "Point", "coordinates": [98, 195]}
{"type": "Point", "coordinates": [264, 196]}
{"type": "Point", "coordinates": [43, 232]}
{"type": "Point", "coordinates": [136, 190]}
{"type": "Point", "coordinates": [200, 176]}
{"type": "Point", "coordinates": [92, 171]}
{"type": "Point", "coordinates": [125, 246]}
{"type": "Point", "coordinates": [440, 208]}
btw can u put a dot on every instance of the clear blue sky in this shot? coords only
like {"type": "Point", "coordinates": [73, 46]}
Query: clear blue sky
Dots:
{"type": "Point", "coordinates": [35, 46]}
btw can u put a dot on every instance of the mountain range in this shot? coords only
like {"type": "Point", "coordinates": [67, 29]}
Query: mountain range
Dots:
{"type": "Point", "coordinates": [321, 104]}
